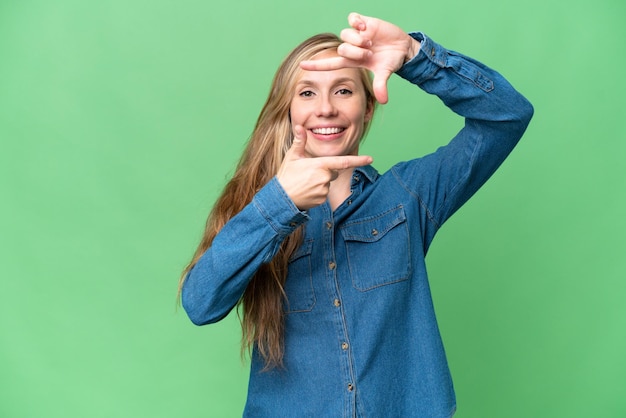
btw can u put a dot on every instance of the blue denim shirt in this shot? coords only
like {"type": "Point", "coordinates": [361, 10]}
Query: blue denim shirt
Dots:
{"type": "Point", "coordinates": [361, 336]}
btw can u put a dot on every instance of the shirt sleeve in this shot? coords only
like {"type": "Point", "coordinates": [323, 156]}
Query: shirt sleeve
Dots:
{"type": "Point", "coordinates": [249, 239]}
{"type": "Point", "coordinates": [496, 116]}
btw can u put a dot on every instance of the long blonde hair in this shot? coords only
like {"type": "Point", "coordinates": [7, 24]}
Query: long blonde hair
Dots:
{"type": "Point", "coordinates": [262, 321]}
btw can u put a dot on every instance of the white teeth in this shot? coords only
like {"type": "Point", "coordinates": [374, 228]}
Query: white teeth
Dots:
{"type": "Point", "coordinates": [327, 131]}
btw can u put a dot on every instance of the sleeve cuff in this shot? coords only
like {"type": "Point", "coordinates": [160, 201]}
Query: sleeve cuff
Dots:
{"type": "Point", "coordinates": [278, 209]}
{"type": "Point", "coordinates": [430, 58]}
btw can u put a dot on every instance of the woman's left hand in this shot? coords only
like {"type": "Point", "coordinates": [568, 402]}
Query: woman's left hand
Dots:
{"type": "Point", "coordinates": [371, 43]}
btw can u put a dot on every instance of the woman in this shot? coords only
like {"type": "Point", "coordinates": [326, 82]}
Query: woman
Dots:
{"type": "Point", "coordinates": [324, 254]}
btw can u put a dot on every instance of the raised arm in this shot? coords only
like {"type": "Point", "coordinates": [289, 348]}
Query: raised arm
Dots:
{"type": "Point", "coordinates": [496, 115]}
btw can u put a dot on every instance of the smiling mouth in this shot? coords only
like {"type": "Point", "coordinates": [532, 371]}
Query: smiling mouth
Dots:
{"type": "Point", "coordinates": [327, 131]}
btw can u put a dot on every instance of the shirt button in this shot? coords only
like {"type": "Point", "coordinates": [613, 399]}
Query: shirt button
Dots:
{"type": "Point", "coordinates": [337, 302]}
{"type": "Point", "coordinates": [349, 201]}
{"type": "Point", "coordinates": [350, 387]}
{"type": "Point", "coordinates": [344, 346]}
{"type": "Point", "coordinates": [292, 224]}
{"type": "Point", "coordinates": [329, 225]}
{"type": "Point", "coordinates": [332, 265]}
{"type": "Point", "coordinates": [374, 232]}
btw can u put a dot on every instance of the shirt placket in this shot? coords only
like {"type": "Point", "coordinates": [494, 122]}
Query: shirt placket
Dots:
{"type": "Point", "coordinates": [333, 269]}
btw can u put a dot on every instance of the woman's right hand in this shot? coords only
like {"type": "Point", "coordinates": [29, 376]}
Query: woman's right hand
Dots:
{"type": "Point", "coordinates": [306, 180]}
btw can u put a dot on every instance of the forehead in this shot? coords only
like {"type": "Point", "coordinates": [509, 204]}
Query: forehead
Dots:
{"type": "Point", "coordinates": [343, 75]}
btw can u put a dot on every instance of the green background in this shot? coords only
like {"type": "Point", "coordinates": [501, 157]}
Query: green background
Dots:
{"type": "Point", "coordinates": [121, 120]}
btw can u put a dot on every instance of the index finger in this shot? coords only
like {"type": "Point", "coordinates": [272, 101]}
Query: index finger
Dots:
{"type": "Point", "coordinates": [344, 161]}
{"type": "Point", "coordinates": [327, 64]}
{"type": "Point", "coordinates": [356, 21]}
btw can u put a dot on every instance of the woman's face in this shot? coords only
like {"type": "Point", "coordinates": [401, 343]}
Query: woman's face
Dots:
{"type": "Point", "coordinates": [332, 107]}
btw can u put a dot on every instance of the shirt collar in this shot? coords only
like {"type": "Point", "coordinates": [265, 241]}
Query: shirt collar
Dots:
{"type": "Point", "coordinates": [368, 171]}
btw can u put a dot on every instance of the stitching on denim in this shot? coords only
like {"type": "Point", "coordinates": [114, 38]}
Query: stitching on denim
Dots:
{"type": "Point", "coordinates": [429, 213]}
{"type": "Point", "coordinates": [265, 215]}
{"type": "Point", "coordinates": [378, 284]}
{"type": "Point", "coordinates": [279, 229]}
{"type": "Point", "coordinates": [306, 248]}
{"type": "Point", "coordinates": [400, 217]}
{"type": "Point", "coordinates": [471, 72]}
{"type": "Point", "coordinates": [470, 165]}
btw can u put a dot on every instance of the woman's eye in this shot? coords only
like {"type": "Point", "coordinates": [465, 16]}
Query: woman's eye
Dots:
{"type": "Point", "coordinates": [306, 93]}
{"type": "Point", "coordinates": [344, 91]}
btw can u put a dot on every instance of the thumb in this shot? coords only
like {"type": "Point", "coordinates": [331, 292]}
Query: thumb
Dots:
{"type": "Point", "coordinates": [380, 86]}
{"type": "Point", "coordinates": [299, 143]}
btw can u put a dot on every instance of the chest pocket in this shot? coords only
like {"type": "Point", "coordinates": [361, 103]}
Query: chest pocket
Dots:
{"type": "Point", "coordinates": [378, 249]}
{"type": "Point", "coordinates": [299, 283]}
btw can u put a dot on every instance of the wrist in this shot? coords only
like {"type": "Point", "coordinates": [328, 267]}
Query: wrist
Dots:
{"type": "Point", "coordinates": [412, 50]}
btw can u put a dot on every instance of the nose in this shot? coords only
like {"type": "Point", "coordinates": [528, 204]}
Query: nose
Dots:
{"type": "Point", "coordinates": [325, 107]}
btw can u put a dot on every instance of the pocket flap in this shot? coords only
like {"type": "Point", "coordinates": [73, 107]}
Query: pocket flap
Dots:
{"type": "Point", "coordinates": [304, 249]}
{"type": "Point", "coordinates": [373, 228]}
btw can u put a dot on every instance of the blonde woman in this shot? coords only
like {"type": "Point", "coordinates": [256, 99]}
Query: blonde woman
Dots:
{"type": "Point", "coordinates": [324, 255]}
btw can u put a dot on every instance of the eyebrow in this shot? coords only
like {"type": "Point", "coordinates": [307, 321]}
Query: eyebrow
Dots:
{"type": "Point", "coordinates": [338, 81]}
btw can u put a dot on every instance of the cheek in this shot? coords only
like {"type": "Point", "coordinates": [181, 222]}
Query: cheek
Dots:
{"type": "Point", "coordinates": [296, 115]}
{"type": "Point", "coordinates": [360, 112]}
{"type": "Point", "coordinates": [359, 119]}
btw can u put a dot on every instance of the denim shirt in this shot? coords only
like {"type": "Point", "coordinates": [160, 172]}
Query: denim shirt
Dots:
{"type": "Point", "coordinates": [361, 337]}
